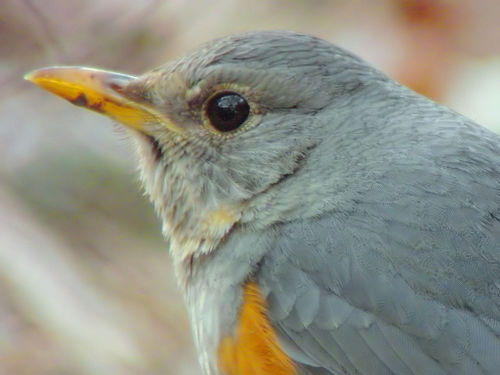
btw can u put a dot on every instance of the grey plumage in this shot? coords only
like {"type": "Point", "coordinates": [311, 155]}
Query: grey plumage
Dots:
{"type": "Point", "coordinates": [406, 263]}
{"type": "Point", "coordinates": [388, 254]}
{"type": "Point", "coordinates": [381, 209]}
{"type": "Point", "coordinates": [368, 215]}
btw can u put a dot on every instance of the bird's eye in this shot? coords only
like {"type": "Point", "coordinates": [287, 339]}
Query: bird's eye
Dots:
{"type": "Point", "coordinates": [227, 111]}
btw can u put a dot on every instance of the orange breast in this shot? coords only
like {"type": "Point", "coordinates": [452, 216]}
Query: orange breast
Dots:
{"type": "Point", "coordinates": [254, 347]}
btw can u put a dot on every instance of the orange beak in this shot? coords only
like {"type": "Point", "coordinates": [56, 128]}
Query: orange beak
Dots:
{"type": "Point", "coordinates": [97, 90]}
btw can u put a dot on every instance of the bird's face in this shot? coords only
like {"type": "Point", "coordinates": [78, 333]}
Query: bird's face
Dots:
{"type": "Point", "coordinates": [218, 130]}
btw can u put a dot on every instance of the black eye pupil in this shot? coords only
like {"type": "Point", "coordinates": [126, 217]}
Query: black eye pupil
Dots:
{"type": "Point", "coordinates": [227, 111]}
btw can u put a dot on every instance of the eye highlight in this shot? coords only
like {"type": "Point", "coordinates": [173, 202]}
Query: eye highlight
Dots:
{"type": "Point", "coordinates": [227, 111]}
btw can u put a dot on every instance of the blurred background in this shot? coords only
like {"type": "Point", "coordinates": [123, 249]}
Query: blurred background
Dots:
{"type": "Point", "coordinates": [86, 285]}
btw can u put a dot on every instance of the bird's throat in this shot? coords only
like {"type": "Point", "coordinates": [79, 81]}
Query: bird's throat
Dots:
{"type": "Point", "coordinates": [194, 220]}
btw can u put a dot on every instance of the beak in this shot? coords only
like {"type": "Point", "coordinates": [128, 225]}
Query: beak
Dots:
{"type": "Point", "coordinates": [99, 91]}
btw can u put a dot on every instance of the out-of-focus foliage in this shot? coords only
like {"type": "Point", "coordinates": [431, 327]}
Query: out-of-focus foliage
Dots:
{"type": "Point", "coordinates": [86, 286]}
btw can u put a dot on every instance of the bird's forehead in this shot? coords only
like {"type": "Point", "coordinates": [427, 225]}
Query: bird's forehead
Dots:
{"type": "Point", "coordinates": [284, 51]}
{"type": "Point", "coordinates": [250, 48]}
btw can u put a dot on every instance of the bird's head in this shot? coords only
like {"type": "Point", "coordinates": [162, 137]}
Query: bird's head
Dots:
{"type": "Point", "coordinates": [222, 131]}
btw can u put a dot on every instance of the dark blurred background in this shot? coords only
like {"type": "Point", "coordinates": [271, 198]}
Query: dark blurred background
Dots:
{"type": "Point", "coordinates": [86, 285]}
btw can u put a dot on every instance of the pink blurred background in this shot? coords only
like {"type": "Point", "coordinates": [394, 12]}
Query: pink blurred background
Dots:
{"type": "Point", "coordinates": [85, 283]}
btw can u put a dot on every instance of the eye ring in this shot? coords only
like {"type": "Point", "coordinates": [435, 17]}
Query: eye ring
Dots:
{"type": "Point", "coordinates": [227, 111]}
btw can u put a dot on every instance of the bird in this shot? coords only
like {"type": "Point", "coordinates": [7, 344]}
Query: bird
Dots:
{"type": "Point", "coordinates": [321, 217]}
